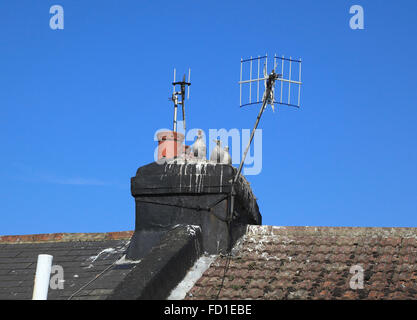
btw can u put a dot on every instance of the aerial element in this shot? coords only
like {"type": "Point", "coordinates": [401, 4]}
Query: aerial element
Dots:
{"type": "Point", "coordinates": [290, 68]}
{"type": "Point", "coordinates": [268, 96]}
{"type": "Point", "coordinates": [176, 94]}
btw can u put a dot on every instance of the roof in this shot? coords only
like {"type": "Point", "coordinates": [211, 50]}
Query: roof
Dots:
{"type": "Point", "coordinates": [83, 256]}
{"type": "Point", "coordinates": [95, 265]}
{"type": "Point", "coordinates": [314, 263]}
{"type": "Point", "coordinates": [267, 263]}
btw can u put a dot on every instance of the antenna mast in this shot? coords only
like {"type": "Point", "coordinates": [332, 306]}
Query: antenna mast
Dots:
{"type": "Point", "coordinates": [267, 98]}
{"type": "Point", "coordinates": [180, 93]}
{"type": "Point", "coordinates": [269, 93]}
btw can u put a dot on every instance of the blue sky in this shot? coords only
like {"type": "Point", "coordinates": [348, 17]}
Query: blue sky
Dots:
{"type": "Point", "coordinates": [79, 107]}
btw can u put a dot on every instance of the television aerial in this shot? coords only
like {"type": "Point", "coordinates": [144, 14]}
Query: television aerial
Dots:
{"type": "Point", "coordinates": [178, 97]}
{"type": "Point", "coordinates": [269, 80]}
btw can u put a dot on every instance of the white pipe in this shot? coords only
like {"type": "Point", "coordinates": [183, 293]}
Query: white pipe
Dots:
{"type": "Point", "coordinates": [43, 273]}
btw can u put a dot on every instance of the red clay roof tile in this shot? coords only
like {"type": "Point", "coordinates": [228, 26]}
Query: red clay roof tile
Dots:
{"type": "Point", "coordinates": [314, 263]}
{"type": "Point", "coordinates": [66, 237]}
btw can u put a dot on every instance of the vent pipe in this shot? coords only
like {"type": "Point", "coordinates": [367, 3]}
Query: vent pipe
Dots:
{"type": "Point", "coordinates": [42, 276]}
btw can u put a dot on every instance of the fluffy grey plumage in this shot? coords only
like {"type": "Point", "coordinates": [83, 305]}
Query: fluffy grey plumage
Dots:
{"type": "Point", "coordinates": [217, 152]}
{"type": "Point", "coordinates": [227, 159]}
{"type": "Point", "coordinates": [199, 146]}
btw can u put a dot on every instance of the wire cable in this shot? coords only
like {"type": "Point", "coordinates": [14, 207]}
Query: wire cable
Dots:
{"type": "Point", "coordinates": [99, 274]}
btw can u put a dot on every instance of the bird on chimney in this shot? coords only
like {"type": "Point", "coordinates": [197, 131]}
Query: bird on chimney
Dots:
{"type": "Point", "coordinates": [199, 146]}
{"type": "Point", "coordinates": [217, 152]}
{"type": "Point", "coordinates": [227, 159]}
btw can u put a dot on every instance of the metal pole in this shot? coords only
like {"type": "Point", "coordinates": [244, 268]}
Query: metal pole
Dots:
{"type": "Point", "coordinates": [267, 93]}
{"type": "Point", "coordinates": [240, 83]}
{"type": "Point", "coordinates": [289, 84]}
{"type": "Point", "coordinates": [175, 113]}
{"type": "Point", "coordinates": [175, 100]}
{"type": "Point", "coordinates": [257, 91]}
{"type": "Point", "coordinates": [299, 86]}
{"type": "Point", "coordinates": [282, 74]}
{"type": "Point", "coordinates": [250, 83]}
{"type": "Point", "coordinates": [183, 101]}
{"type": "Point", "coordinates": [270, 84]}
{"type": "Point", "coordinates": [189, 79]}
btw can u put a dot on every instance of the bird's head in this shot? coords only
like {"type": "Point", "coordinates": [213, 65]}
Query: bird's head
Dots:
{"type": "Point", "coordinates": [218, 142]}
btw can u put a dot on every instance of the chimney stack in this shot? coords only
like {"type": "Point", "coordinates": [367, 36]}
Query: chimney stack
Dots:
{"type": "Point", "coordinates": [190, 192]}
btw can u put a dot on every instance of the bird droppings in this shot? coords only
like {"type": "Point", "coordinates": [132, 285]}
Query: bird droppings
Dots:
{"type": "Point", "coordinates": [107, 250]}
{"type": "Point", "coordinates": [184, 166]}
{"type": "Point", "coordinates": [191, 230]}
{"type": "Point", "coordinates": [313, 263]}
{"type": "Point", "coordinates": [106, 253]}
{"type": "Point", "coordinates": [124, 260]}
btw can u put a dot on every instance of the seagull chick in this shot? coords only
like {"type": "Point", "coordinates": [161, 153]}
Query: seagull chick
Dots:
{"type": "Point", "coordinates": [199, 146]}
{"type": "Point", "coordinates": [217, 153]}
{"type": "Point", "coordinates": [227, 159]}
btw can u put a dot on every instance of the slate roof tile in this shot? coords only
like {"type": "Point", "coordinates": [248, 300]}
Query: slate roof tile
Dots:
{"type": "Point", "coordinates": [82, 256]}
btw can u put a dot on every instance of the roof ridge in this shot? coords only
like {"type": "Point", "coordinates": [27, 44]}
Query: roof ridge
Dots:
{"type": "Point", "coordinates": [264, 230]}
{"type": "Point", "coordinates": [66, 237]}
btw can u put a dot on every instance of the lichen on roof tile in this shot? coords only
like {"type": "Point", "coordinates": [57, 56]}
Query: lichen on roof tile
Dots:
{"type": "Point", "coordinates": [315, 263]}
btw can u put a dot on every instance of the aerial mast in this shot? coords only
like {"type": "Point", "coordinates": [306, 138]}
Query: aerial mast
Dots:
{"type": "Point", "coordinates": [268, 97]}
{"type": "Point", "coordinates": [180, 94]}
